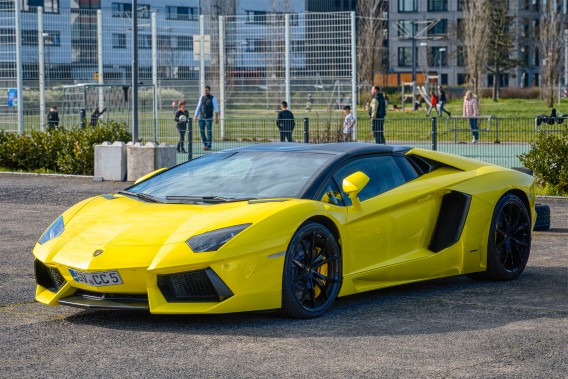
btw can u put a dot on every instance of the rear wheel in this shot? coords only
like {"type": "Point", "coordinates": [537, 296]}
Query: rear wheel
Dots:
{"type": "Point", "coordinates": [312, 272]}
{"type": "Point", "coordinates": [509, 242]}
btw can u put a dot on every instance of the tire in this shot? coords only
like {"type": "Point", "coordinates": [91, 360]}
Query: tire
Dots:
{"type": "Point", "coordinates": [509, 243]}
{"type": "Point", "coordinates": [542, 217]}
{"type": "Point", "coordinates": [312, 272]}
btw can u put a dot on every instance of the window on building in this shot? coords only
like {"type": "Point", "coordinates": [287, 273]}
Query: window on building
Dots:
{"type": "Point", "coordinates": [460, 56]}
{"type": "Point", "coordinates": [185, 42]}
{"type": "Point", "coordinates": [7, 6]}
{"type": "Point", "coordinates": [404, 28]}
{"type": "Point", "coordinates": [86, 4]}
{"type": "Point", "coordinates": [7, 35]}
{"type": "Point", "coordinates": [125, 10]}
{"type": "Point", "coordinates": [145, 41]}
{"type": "Point", "coordinates": [256, 17]}
{"type": "Point", "coordinates": [182, 13]}
{"type": "Point", "coordinates": [119, 40]}
{"type": "Point", "coordinates": [536, 57]}
{"type": "Point", "coordinates": [441, 28]}
{"type": "Point", "coordinates": [405, 56]}
{"type": "Point", "coordinates": [50, 37]}
{"type": "Point", "coordinates": [438, 54]}
{"type": "Point", "coordinates": [437, 5]}
{"type": "Point", "coordinates": [49, 6]}
{"type": "Point", "coordinates": [462, 79]}
{"type": "Point", "coordinates": [407, 6]}
{"type": "Point", "coordinates": [164, 42]}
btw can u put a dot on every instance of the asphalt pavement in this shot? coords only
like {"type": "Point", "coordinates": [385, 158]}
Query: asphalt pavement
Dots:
{"type": "Point", "coordinates": [448, 328]}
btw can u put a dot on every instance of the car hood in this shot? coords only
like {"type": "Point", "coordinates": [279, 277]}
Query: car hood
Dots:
{"type": "Point", "coordinates": [122, 221]}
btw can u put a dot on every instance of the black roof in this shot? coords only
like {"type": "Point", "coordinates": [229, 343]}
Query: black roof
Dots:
{"type": "Point", "coordinates": [331, 148]}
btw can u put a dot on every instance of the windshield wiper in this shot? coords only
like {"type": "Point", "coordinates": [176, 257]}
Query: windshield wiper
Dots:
{"type": "Point", "coordinates": [142, 196]}
{"type": "Point", "coordinates": [207, 199]}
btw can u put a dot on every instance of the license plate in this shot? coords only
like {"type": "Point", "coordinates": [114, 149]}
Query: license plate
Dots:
{"type": "Point", "coordinates": [96, 279]}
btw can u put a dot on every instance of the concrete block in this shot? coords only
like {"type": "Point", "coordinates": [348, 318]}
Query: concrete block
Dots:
{"type": "Point", "coordinates": [110, 161]}
{"type": "Point", "coordinates": [143, 159]}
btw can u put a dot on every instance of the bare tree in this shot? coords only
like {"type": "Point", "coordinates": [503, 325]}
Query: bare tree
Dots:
{"type": "Point", "coordinates": [500, 43]}
{"type": "Point", "coordinates": [474, 37]}
{"type": "Point", "coordinates": [551, 48]}
{"type": "Point", "coordinates": [371, 35]}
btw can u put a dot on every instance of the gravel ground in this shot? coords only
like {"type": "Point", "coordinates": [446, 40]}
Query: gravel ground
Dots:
{"type": "Point", "coordinates": [455, 327]}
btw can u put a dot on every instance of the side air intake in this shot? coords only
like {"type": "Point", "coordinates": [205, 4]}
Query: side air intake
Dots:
{"type": "Point", "coordinates": [451, 220]}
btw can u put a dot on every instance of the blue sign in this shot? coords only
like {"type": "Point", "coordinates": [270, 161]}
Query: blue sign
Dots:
{"type": "Point", "coordinates": [12, 97]}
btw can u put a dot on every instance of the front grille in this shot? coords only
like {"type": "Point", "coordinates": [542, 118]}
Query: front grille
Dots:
{"type": "Point", "coordinates": [48, 277]}
{"type": "Point", "coordinates": [199, 285]}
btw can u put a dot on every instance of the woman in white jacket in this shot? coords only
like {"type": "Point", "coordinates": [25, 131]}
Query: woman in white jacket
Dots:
{"type": "Point", "coordinates": [470, 110]}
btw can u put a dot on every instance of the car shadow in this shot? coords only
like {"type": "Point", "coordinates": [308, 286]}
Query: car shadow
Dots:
{"type": "Point", "coordinates": [437, 306]}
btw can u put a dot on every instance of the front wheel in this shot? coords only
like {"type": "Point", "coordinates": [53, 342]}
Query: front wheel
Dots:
{"type": "Point", "coordinates": [312, 272]}
{"type": "Point", "coordinates": [509, 242]}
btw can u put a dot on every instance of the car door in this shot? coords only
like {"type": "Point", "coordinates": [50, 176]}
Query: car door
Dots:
{"type": "Point", "coordinates": [394, 222]}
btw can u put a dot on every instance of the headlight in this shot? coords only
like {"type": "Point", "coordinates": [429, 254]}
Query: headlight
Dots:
{"type": "Point", "coordinates": [212, 241]}
{"type": "Point", "coordinates": [53, 231]}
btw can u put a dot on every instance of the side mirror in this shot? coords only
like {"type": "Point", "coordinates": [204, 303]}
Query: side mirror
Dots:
{"type": "Point", "coordinates": [149, 175]}
{"type": "Point", "coordinates": [353, 184]}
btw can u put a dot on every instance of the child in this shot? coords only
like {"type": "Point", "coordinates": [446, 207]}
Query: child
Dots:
{"type": "Point", "coordinates": [52, 117]}
{"type": "Point", "coordinates": [181, 118]}
{"type": "Point", "coordinates": [433, 103]}
{"type": "Point", "coordinates": [348, 124]}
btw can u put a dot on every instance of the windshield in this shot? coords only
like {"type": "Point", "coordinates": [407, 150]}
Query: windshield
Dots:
{"type": "Point", "coordinates": [236, 176]}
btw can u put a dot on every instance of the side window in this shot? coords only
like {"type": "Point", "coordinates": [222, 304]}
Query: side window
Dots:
{"type": "Point", "coordinates": [383, 171]}
{"type": "Point", "coordinates": [332, 194]}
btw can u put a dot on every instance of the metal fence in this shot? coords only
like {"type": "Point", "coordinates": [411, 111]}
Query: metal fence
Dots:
{"type": "Point", "coordinates": [78, 59]}
{"type": "Point", "coordinates": [501, 141]}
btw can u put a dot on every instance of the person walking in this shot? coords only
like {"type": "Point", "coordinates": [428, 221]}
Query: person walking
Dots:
{"type": "Point", "coordinates": [207, 106]}
{"type": "Point", "coordinates": [181, 118]}
{"type": "Point", "coordinates": [433, 103]}
{"type": "Point", "coordinates": [442, 101]}
{"type": "Point", "coordinates": [285, 122]}
{"type": "Point", "coordinates": [53, 117]}
{"type": "Point", "coordinates": [348, 124]}
{"type": "Point", "coordinates": [470, 110]}
{"type": "Point", "coordinates": [378, 112]}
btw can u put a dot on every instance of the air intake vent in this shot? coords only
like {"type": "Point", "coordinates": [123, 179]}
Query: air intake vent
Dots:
{"type": "Point", "coordinates": [200, 285]}
{"type": "Point", "coordinates": [48, 277]}
{"type": "Point", "coordinates": [451, 220]}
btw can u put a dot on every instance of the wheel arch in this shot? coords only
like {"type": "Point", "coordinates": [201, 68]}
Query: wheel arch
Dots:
{"type": "Point", "coordinates": [328, 223]}
{"type": "Point", "coordinates": [524, 198]}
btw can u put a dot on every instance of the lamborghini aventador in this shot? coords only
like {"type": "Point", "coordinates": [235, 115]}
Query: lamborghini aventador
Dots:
{"type": "Point", "coordinates": [288, 227]}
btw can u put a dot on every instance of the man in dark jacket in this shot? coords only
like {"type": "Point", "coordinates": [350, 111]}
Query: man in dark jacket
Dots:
{"type": "Point", "coordinates": [378, 112]}
{"type": "Point", "coordinates": [53, 117]}
{"type": "Point", "coordinates": [285, 122]}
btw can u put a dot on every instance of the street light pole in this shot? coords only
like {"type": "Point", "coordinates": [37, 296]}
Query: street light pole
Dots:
{"type": "Point", "coordinates": [413, 25]}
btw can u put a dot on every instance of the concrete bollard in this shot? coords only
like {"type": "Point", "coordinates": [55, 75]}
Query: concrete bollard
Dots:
{"type": "Point", "coordinates": [143, 159]}
{"type": "Point", "coordinates": [110, 161]}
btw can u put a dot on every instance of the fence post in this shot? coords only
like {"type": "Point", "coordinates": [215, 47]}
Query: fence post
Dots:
{"type": "Point", "coordinates": [354, 71]}
{"type": "Point", "coordinates": [222, 75]}
{"type": "Point", "coordinates": [41, 67]}
{"type": "Point", "coordinates": [100, 57]}
{"type": "Point", "coordinates": [287, 59]}
{"type": "Point", "coordinates": [189, 139]}
{"type": "Point", "coordinates": [306, 130]}
{"type": "Point", "coordinates": [154, 24]}
{"type": "Point", "coordinates": [19, 68]}
{"type": "Point", "coordinates": [434, 133]}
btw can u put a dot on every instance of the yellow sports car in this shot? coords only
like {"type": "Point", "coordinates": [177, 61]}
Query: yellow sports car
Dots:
{"type": "Point", "coordinates": [289, 227]}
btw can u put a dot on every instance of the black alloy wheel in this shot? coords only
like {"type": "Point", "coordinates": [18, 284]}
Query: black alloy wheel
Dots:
{"type": "Point", "coordinates": [509, 242]}
{"type": "Point", "coordinates": [312, 272]}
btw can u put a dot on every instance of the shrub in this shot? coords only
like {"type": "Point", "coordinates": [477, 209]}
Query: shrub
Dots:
{"type": "Point", "coordinates": [66, 151]}
{"type": "Point", "coordinates": [548, 158]}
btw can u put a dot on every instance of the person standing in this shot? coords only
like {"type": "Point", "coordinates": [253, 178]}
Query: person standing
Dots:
{"type": "Point", "coordinates": [348, 124]}
{"type": "Point", "coordinates": [442, 100]}
{"type": "Point", "coordinates": [181, 118]}
{"type": "Point", "coordinates": [378, 112]}
{"type": "Point", "coordinates": [207, 106]}
{"type": "Point", "coordinates": [470, 110]}
{"type": "Point", "coordinates": [433, 103]}
{"type": "Point", "coordinates": [285, 122]}
{"type": "Point", "coordinates": [53, 117]}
